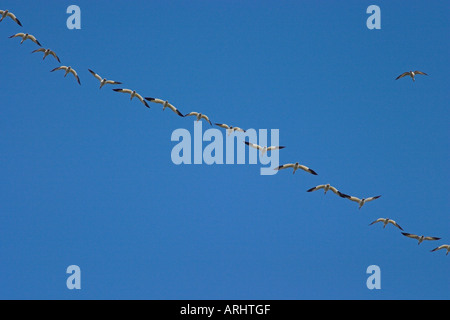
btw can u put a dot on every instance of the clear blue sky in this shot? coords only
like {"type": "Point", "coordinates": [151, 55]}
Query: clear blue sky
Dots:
{"type": "Point", "coordinates": [87, 176]}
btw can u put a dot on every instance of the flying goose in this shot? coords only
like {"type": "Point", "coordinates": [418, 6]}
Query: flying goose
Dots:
{"type": "Point", "coordinates": [103, 81]}
{"type": "Point", "coordinates": [68, 70]}
{"type": "Point", "coordinates": [296, 166]}
{"type": "Point", "coordinates": [420, 238]}
{"type": "Point", "coordinates": [326, 187]}
{"type": "Point", "coordinates": [360, 201]}
{"type": "Point", "coordinates": [444, 246]}
{"type": "Point", "coordinates": [26, 36]}
{"type": "Point", "coordinates": [385, 222]}
{"type": "Point", "coordinates": [412, 74]}
{"type": "Point", "coordinates": [165, 105]}
{"type": "Point", "coordinates": [6, 13]}
{"type": "Point", "coordinates": [230, 129]}
{"type": "Point", "coordinates": [199, 116]}
{"type": "Point", "coordinates": [263, 149]}
{"type": "Point", "coordinates": [133, 94]}
{"type": "Point", "coordinates": [46, 53]}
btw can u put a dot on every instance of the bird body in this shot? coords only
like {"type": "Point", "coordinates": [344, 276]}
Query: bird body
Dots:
{"type": "Point", "coordinates": [419, 238]}
{"type": "Point", "coordinates": [386, 222]}
{"type": "Point", "coordinates": [230, 129]}
{"type": "Point", "coordinates": [26, 36]}
{"type": "Point", "coordinates": [326, 188]}
{"type": "Point", "coordinates": [6, 13]}
{"type": "Point", "coordinates": [263, 149]}
{"type": "Point", "coordinates": [362, 201]}
{"type": "Point", "coordinates": [199, 116]}
{"type": "Point", "coordinates": [133, 94]}
{"type": "Point", "coordinates": [103, 81]}
{"type": "Point", "coordinates": [165, 105]}
{"type": "Point", "coordinates": [46, 53]}
{"type": "Point", "coordinates": [296, 166]}
{"type": "Point", "coordinates": [67, 71]}
{"type": "Point", "coordinates": [412, 74]}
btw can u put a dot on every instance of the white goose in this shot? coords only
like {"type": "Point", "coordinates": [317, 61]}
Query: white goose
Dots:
{"type": "Point", "coordinates": [412, 74]}
{"type": "Point", "coordinates": [326, 187]}
{"type": "Point", "coordinates": [444, 246]}
{"type": "Point", "coordinates": [6, 13]}
{"type": "Point", "coordinates": [230, 129]}
{"type": "Point", "coordinates": [46, 53]}
{"type": "Point", "coordinates": [199, 116]}
{"type": "Point", "coordinates": [296, 166]}
{"type": "Point", "coordinates": [103, 81]}
{"type": "Point", "coordinates": [26, 36]}
{"type": "Point", "coordinates": [165, 105]}
{"type": "Point", "coordinates": [420, 238]}
{"type": "Point", "coordinates": [68, 70]}
{"type": "Point", "coordinates": [360, 201]}
{"type": "Point", "coordinates": [263, 149]}
{"type": "Point", "coordinates": [385, 223]}
{"type": "Point", "coordinates": [133, 94]}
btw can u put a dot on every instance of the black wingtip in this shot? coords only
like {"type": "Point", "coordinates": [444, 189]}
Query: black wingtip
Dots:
{"type": "Point", "coordinates": [310, 190]}
{"type": "Point", "coordinates": [150, 99]}
{"type": "Point", "coordinates": [313, 172]}
{"type": "Point", "coordinates": [247, 143]}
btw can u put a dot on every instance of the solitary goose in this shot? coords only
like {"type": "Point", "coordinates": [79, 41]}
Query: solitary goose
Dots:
{"type": "Point", "coordinates": [165, 105]}
{"type": "Point", "coordinates": [68, 70]}
{"type": "Point", "coordinates": [263, 149]}
{"type": "Point", "coordinates": [103, 81]}
{"type": "Point", "coordinates": [412, 74]}
{"type": "Point", "coordinates": [385, 222]}
{"type": "Point", "coordinates": [296, 166]}
{"type": "Point", "coordinates": [199, 116]}
{"type": "Point", "coordinates": [360, 201]}
{"type": "Point", "coordinates": [133, 94]}
{"type": "Point", "coordinates": [420, 238]}
{"type": "Point", "coordinates": [444, 246]}
{"type": "Point", "coordinates": [6, 13]}
{"type": "Point", "coordinates": [46, 53]}
{"type": "Point", "coordinates": [326, 187]}
{"type": "Point", "coordinates": [230, 129]}
{"type": "Point", "coordinates": [26, 36]}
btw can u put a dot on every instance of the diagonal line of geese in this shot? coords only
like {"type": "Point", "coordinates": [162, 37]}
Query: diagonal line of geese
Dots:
{"type": "Point", "coordinates": [230, 129]}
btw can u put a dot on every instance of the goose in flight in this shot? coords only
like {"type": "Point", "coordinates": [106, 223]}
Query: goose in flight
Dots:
{"type": "Point", "coordinates": [444, 246]}
{"type": "Point", "coordinates": [360, 201]}
{"type": "Point", "coordinates": [385, 222]}
{"type": "Point", "coordinates": [103, 81]}
{"type": "Point", "coordinates": [199, 116]}
{"type": "Point", "coordinates": [68, 70]}
{"type": "Point", "coordinates": [26, 36]}
{"type": "Point", "coordinates": [230, 129]}
{"type": "Point", "coordinates": [133, 94]}
{"type": "Point", "coordinates": [326, 187]}
{"type": "Point", "coordinates": [296, 166]}
{"type": "Point", "coordinates": [165, 105]}
{"type": "Point", "coordinates": [412, 74]}
{"type": "Point", "coordinates": [6, 13]}
{"type": "Point", "coordinates": [420, 238]}
{"type": "Point", "coordinates": [46, 53]}
{"type": "Point", "coordinates": [263, 149]}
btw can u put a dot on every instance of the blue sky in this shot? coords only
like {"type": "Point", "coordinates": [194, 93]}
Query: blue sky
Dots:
{"type": "Point", "coordinates": [88, 180]}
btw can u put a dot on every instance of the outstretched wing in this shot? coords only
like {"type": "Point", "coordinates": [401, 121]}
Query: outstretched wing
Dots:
{"type": "Point", "coordinates": [402, 75]}
{"type": "Point", "coordinates": [305, 168]}
{"type": "Point", "coordinates": [95, 75]}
